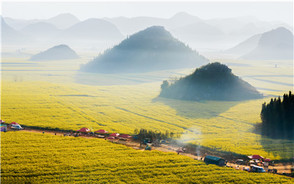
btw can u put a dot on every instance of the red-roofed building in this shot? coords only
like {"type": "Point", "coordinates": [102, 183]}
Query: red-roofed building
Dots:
{"type": "Point", "coordinates": [267, 160]}
{"type": "Point", "coordinates": [101, 131]}
{"type": "Point", "coordinates": [84, 130]}
{"type": "Point", "coordinates": [13, 123]}
{"type": "Point", "coordinates": [114, 135]}
{"type": "Point", "coordinates": [258, 157]}
{"type": "Point", "coordinates": [124, 136]}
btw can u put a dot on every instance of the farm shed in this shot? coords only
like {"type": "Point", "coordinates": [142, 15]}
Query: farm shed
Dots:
{"type": "Point", "coordinates": [14, 123]}
{"type": "Point", "coordinates": [257, 157]}
{"type": "Point", "coordinates": [124, 136]}
{"type": "Point", "coordinates": [84, 130]}
{"type": "Point", "coordinates": [214, 160]}
{"type": "Point", "coordinates": [114, 135]}
{"type": "Point", "coordinates": [101, 131]}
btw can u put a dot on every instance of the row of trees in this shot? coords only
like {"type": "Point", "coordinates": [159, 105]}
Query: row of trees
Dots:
{"type": "Point", "coordinates": [154, 135]}
{"type": "Point", "coordinates": [278, 117]}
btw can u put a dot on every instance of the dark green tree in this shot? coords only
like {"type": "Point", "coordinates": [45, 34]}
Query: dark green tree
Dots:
{"type": "Point", "coordinates": [278, 117]}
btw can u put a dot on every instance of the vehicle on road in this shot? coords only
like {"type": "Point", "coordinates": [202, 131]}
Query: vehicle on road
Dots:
{"type": "Point", "coordinates": [16, 127]}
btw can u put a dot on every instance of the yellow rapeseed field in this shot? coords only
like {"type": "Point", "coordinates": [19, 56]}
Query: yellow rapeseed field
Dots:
{"type": "Point", "coordinates": [52, 95]}
{"type": "Point", "coordinates": [42, 158]}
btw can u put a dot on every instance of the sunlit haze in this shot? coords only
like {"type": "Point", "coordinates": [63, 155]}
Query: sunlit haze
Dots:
{"type": "Point", "coordinates": [269, 11]}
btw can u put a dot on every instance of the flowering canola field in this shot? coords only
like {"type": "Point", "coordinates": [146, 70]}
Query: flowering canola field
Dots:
{"type": "Point", "coordinates": [28, 157]}
{"type": "Point", "coordinates": [57, 96]}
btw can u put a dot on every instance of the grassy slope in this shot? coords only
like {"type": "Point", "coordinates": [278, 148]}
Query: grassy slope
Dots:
{"type": "Point", "coordinates": [51, 98]}
{"type": "Point", "coordinates": [37, 158]}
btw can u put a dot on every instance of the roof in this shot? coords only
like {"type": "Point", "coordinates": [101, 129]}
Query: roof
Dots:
{"type": "Point", "coordinates": [101, 131]}
{"type": "Point", "coordinates": [255, 157]}
{"type": "Point", "coordinates": [124, 136]}
{"type": "Point", "coordinates": [114, 134]}
{"type": "Point", "coordinates": [84, 130]}
{"type": "Point", "coordinates": [213, 158]}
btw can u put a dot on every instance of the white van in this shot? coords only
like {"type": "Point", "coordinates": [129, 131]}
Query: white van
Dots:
{"type": "Point", "coordinates": [258, 169]}
{"type": "Point", "coordinates": [16, 127]}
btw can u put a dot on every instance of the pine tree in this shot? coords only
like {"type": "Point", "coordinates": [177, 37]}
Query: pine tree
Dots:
{"type": "Point", "coordinates": [278, 117]}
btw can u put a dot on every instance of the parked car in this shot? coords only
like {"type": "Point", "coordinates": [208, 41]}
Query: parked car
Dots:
{"type": "Point", "coordinates": [240, 162]}
{"type": "Point", "coordinates": [16, 127]}
{"type": "Point", "coordinates": [258, 169]}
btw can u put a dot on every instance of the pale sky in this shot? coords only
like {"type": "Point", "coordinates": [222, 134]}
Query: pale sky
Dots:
{"type": "Point", "coordinates": [263, 10]}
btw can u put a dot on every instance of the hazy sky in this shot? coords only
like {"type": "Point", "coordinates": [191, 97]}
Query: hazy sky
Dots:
{"type": "Point", "coordinates": [271, 10]}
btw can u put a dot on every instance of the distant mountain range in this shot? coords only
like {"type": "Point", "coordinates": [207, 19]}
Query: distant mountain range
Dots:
{"type": "Point", "coordinates": [213, 81]}
{"type": "Point", "coordinates": [199, 33]}
{"type": "Point", "coordinates": [59, 52]}
{"type": "Point", "coordinates": [11, 36]}
{"type": "Point", "coordinates": [92, 30]}
{"type": "Point", "coordinates": [64, 28]}
{"type": "Point", "coordinates": [151, 49]}
{"type": "Point", "coordinates": [214, 33]}
{"type": "Point", "coordinates": [63, 21]}
{"type": "Point", "coordinates": [41, 31]}
{"type": "Point", "coordinates": [276, 44]}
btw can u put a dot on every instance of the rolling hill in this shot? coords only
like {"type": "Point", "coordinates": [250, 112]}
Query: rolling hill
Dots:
{"type": "Point", "coordinates": [92, 30]}
{"type": "Point", "coordinates": [11, 36]}
{"type": "Point", "coordinates": [149, 50]}
{"type": "Point", "coordinates": [245, 46]}
{"type": "Point", "coordinates": [59, 52]}
{"type": "Point", "coordinates": [276, 44]}
{"type": "Point", "coordinates": [213, 81]}
{"type": "Point", "coordinates": [63, 21]}
{"type": "Point", "coordinates": [41, 31]}
{"type": "Point", "coordinates": [199, 32]}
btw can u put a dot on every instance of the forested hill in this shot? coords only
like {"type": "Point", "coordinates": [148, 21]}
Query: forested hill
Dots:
{"type": "Point", "coordinates": [278, 117]}
{"type": "Point", "coordinates": [149, 50]}
{"type": "Point", "coordinates": [213, 81]}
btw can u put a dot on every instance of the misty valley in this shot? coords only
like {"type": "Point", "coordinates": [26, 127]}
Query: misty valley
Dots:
{"type": "Point", "coordinates": [146, 100]}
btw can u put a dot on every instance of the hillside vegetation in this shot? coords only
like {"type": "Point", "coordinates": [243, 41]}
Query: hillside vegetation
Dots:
{"type": "Point", "coordinates": [213, 81]}
{"type": "Point", "coordinates": [151, 49]}
{"type": "Point", "coordinates": [45, 158]}
{"type": "Point", "coordinates": [278, 117]}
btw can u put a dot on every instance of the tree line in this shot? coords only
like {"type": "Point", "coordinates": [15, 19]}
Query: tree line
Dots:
{"type": "Point", "coordinates": [154, 135]}
{"type": "Point", "coordinates": [278, 117]}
